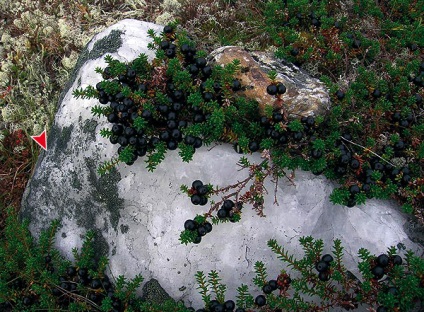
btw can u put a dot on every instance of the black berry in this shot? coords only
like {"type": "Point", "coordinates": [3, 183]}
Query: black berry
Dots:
{"type": "Point", "coordinates": [201, 230]}
{"type": "Point", "coordinates": [222, 213]}
{"type": "Point", "coordinates": [168, 29]}
{"type": "Point", "coordinates": [267, 289]}
{"type": "Point", "coordinates": [196, 184]}
{"type": "Point", "coordinates": [321, 266]}
{"type": "Point", "coordinates": [260, 300]}
{"type": "Point", "coordinates": [354, 189]}
{"type": "Point", "coordinates": [272, 89]}
{"type": "Point", "coordinates": [190, 225]}
{"type": "Point", "coordinates": [201, 62]}
{"type": "Point", "coordinates": [189, 140]}
{"type": "Point", "coordinates": [202, 190]}
{"type": "Point", "coordinates": [229, 305]}
{"type": "Point", "coordinates": [236, 85]}
{"type": "Point", "coordinates": [195, 199]}
{"type": "Point", "coordinates": [340, 95]}
{"type": "Point", "coordinates": [376, 93]}
{"type": "Point", "coordinates": [277, 117]}
{"type": "Point", "coordinates": [323, 276]}
{"type": "Point", "coordinates": [378, 272]}
{"type": "Point", "coordinates": [383, 260]}
{"type": "Point", "coordinates": [397, 260]}
{"type": "Point", "coordinates": [392, 290]}
{"type": "Point", "coordinates": [228, 204]}
{"type": "Point", "coordinates": [273, 284]}
{"type": "Point", "coordinates": [253, 146]}
{"type": "Point", "coordinates": [197, 143]}
{"type": "Point", "coordinates": [71, 271]}
{"type": "Point", "coordinates": [208, 227]}
{"type": "Point", "coordinates": [316, 153]}
{"type": "Point", "coordinates": [327, 258]}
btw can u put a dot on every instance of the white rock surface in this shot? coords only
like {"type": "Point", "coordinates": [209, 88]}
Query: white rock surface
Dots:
{"type": "Point", "coordinates": [141, 214]}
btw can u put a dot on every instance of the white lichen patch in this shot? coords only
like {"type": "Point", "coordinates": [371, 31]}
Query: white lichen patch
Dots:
{"type": "Point", "coordinates": [164, 18]}
{"type": "Point", "coordinates": [69, 62]}
{"type": "Point", "coordinates": [171, 5]}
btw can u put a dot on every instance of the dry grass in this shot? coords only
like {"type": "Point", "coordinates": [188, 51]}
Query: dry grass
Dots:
{"type": "Point", "coordinates": [214, 23]}
{"type": "Point", "coordinates": [18, 157]}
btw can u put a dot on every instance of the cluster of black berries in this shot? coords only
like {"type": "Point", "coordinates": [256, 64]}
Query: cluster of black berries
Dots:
{"type": "Point", "coordinates": [168, 119]}
{"type": "Point", "coordinates": [345, 161]}
{"type": "Point", "coordinates": [18, 284]}
{"type": "Point", "coordinates": [399, 176]}
{"type": "Point", "coordinates": [418, 80]}
{"type": "Point", "coordinates": [229, 305]}
{"type": "Point", "coordinates": [309, 127]}
{"type": "Point", "coordinates": [389, 290]}
{"type": "Point", "coordinates": [313, 20]}
{"type": "Point", "coordinates": [215, 306]}
{"type": "Point", "coordinates": [199, 193]}
{"type": "Point", "coordinates": [227, 210]}
{"type": "Point", "coordinates": [99, 288]}
{"type": "Point", "coordinates": [76, 282]}
{"type": "Point", "coordinates": [270, 286]}
{"type": "Point", "coordinates": [383, 264]}
{"type": "Point", "coordinates": [322, 267]}
{"type": "Point", "coordinates": [356, 42]}
{"type": "Point", "coordinates": [400, 122]}
{"type": "Point", "coordinates": [369, 172]}
{"type": "Point", "coordinates": [283, 138]}
{"type": "Point", "coordinates": [273, 89]}
{"type": "Point", "coordinates": [353, 190]}
{"type": "Point", "coordinates": [200, 229]}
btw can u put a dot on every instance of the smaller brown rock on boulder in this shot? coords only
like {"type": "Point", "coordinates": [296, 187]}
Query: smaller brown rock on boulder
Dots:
{"type": "Point", "coordinates": [305, 95]}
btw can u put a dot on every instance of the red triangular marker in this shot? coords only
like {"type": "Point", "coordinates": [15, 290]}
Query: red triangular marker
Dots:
{"type": "Point", "coordinates": [41, 139]}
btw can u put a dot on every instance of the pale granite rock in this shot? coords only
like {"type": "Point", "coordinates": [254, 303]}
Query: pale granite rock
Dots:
{"type": "Point", "coordinates": [138, 215]}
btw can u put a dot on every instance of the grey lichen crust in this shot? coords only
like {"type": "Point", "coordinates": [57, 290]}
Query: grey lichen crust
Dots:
{"type": "Point", "coordinates": [108, 44]}
{"type": "Point", "coordinates": [57, 141]}
{"type": "Point", "coordinates": [58, 153]}
{"type": "Point", "coordinates": [414, 230]}
{"type": "Point", "coordinates": [154, 293]}
{"type": "Point", "coordinates": [105, 192]}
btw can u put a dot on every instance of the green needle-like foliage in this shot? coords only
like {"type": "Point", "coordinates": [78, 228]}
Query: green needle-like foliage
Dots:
{"type": "Point", "coordinates": [216, 286]}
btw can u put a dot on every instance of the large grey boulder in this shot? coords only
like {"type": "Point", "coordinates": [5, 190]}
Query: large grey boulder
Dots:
{"type": "Point", "coordinates": [139, 215]}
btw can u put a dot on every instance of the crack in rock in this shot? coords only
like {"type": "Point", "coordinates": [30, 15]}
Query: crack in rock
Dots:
{"type": "Point", "coordinates": [245, 256]}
